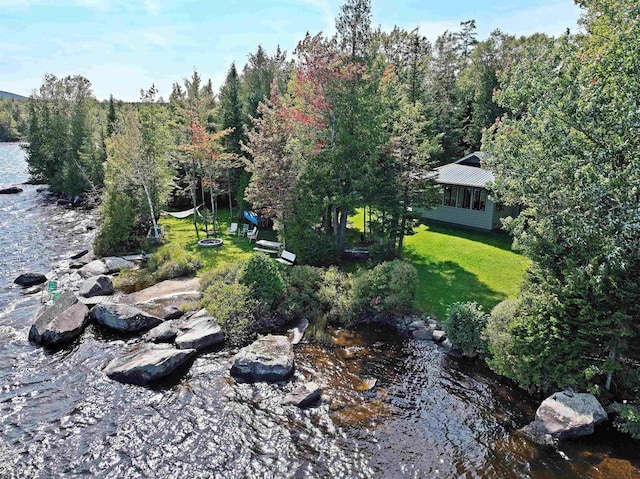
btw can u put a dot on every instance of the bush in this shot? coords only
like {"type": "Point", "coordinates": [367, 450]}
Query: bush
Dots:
{"type": "Point", "coordinates": [301, 297]}
{"type": "Point", "coordinates": [628, 421]}
{"type": "Point", "coordinates": [389, 289]}
{"type": "Point", "coordinates": [498, 336]}
{"type": "Point", "coordinates": [227, 274]}
{"type": "Point", "coordinates": [464, 324]}
{"type": "Point", "coordinates": [335, 293]}
{"type": "Point", "coordinates": [172, 261]}
{"type": "Point", "coordinates": [311, 247]}
{"type": "Point", "coordinates": [116, 231]}
{"type": "Point", "coordinates": [233, 307]}
{"type": "Point", "coordinates": [261, 275]}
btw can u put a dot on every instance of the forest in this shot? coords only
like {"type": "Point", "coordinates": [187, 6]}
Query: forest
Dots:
{"type": "Point", "coordinates": [358, 121]}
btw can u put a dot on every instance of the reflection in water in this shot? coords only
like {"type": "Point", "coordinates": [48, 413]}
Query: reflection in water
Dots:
{"type": "Point", "coordinates": [391, 408]}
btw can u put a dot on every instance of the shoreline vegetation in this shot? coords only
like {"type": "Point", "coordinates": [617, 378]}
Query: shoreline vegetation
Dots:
{"type": "Point", "coordinates": [339, 150]}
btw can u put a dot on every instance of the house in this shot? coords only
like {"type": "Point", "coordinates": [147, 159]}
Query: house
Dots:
{"type": "Point", "coordinates": [465, 198]}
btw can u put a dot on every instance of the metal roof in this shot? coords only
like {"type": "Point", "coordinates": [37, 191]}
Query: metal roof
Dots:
{"type": "Point", "coordinates": [457, 174]}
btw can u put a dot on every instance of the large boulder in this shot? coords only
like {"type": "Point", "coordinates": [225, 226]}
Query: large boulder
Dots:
{"type": "Point", "coordinates": [565, 415]}
{"type": "Point", "coordinates": [171, 312]}
{"type": "Point", "coordinates": [203, 333]}
{"type": "Point", "coordinates": [147, 364]}
{"type": "Point", "coordinates": [270, 358]}
{"type": "Point", "coordinates": [115, 263]}
{"type": "Point", "coordinates": [61, 322]}
{"type": "Point", "coordinates": [100, 285]}
{"type": "Point", "coordinates": [30, 279]}
{"type": "Point", "coordinates": [304, 394]}
{"type": "Point", "coordinates": [123, 317]}
{"type": "Point", "coordinates": [93, 268]}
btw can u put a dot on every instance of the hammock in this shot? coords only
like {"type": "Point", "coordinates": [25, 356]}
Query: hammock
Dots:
{"type": "Point", "coordinates": [181, 214]}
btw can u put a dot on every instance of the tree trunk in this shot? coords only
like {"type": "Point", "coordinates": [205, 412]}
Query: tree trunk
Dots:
{"type": "Point", "coordinates": [204, 205]}
{"type": "Point", "coordinates": [153, 214]}
{"type": "Point", "coordinates": [342, 227]}
{"type": "Point", "coordinates": [229, 186]}
{"type": "Point", "coordinates": [612, 357]}
{"type": "Point", "coordinates": [194, 198]}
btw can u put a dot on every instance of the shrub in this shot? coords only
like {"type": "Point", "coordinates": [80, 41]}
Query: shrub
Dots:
{"type": "Point", "coordinates": [261, 275]}
{"type": "Point", "coordinates": [628, 421]}
{"type": "Point", "coordinates": [464, 324]}
{"type": "Point", "coordinates": [301, 297]}
{"type": "Point", "coordinates": [233, 307]}
{"type": "Point", "coordinates": [311, 247]}
{"type": "Point", "coordinates": [388, 289]}
{"type": "Point", "coordinates": [172, 261]}
{"type": "Point", "coordinates": [227, 274]}
{"type": "Point", "coordinates": [498, 336]}
{"type": "Point", "coordinates": [335, 293]}
{"type": "Point", "coordinates": [116, 231]}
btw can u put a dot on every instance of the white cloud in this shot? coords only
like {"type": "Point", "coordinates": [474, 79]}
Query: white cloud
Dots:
{"type": "Point", "coordinates": [151, 6]}
{"type": "Point", "coordinates": [325, 10]}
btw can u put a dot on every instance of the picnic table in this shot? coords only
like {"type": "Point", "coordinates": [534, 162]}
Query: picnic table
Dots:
{"type": "Point", "coordinates": [269, 244]}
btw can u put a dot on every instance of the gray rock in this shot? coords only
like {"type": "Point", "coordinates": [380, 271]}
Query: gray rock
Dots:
{"type": "Point", "coordinates": [61, 322]}
{"type": "Point", "coordinates": [415, 325]}
{"type": "Point", "coordinates": [203, 334]}
{"type": "Point", "coordinates": [147, 364]}
{"type": "Point", "coordinates": [422, 334]}
{"type": "Point", "coordinates": [194, 319]}
{"type": "Point", "coordinates": [304, 395]}
{"type": "Point", "coordinates": [171, 312]}
{"type": "Point", "coordinates": [123, 317]}
{"type": "Point", "coordinates": [115, 264]}
{"type": "Point", "coordinates": [32, 290]}
{"type": "Point", "coordinates": [11, 190]}
{"type": "Point", "coordinates": [163, 333]}
{"type": "Point", "coordinates": [438, 335]}
{"type": "Point", "coordinates": [100, 285]}
{"type": "Point", "coordinates": [298, 331]}
{"type": "Point", "coordinates": [79, 254]}
{"type": "Point", "coordinates": [27, 280]}
{"type": "Point", "coordinates": [270, 358]}
{"type": "Point", "coordinates": [565, 415]}
{"type": "Point", "coordinates": [93, 268]}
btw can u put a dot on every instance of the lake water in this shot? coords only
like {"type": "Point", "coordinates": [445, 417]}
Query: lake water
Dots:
{"type": "Point", "coordinates": [428, 416]}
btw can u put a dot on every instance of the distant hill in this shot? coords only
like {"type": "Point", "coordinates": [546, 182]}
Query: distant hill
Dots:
{"type": "Point", "coordinates": [6, 94]}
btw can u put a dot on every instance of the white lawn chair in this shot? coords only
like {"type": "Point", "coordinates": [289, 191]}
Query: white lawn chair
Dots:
{"type": "Point", "coordinates": [287, 257]}
{"type": "Point", "coordinates": [233, 229]}
{"type": "Point", "coordinates": [253, 234]}
{"type": "Point", "coordinates": [245, 229]}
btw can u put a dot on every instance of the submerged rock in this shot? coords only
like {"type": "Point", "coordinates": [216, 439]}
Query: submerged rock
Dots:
{"type": "Point", "coordinates": [123, 317]}
{"type": "Point", "coordinates": [270, 358]}
{"type": "Point", "coordinates": [100, 285]}
{"type": "Point", "coordinates": [203, 333]}
{"type": "Point", "coordinates": [304, 395]}
{"type": "Point", "coordinates": [27, 280]}
{"type": "Point", "coordinates": [147, 364]}
{"type": "Point", "coordinates": [79, 254]}
{"type": "Point", "coordinates": [11, 190]}
{"type": "Point", "coordinates": [565, 415]}
{"type": "Point", "coordinates": [61, 322]}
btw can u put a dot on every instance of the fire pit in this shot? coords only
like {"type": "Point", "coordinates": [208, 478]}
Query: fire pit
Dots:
{"type": "Point", "coordinates": [210, 242]}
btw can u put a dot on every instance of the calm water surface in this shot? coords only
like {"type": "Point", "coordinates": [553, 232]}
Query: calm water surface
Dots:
{"type": "Point", "coordinates": [428, 416]}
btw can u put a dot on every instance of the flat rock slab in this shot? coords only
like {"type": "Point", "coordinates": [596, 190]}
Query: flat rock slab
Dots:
{"type": "Point", "coordinates": [93, 268]}
{"type": "Point", "coordinates": [27, 280]}
{"type": "Point", "coordinates": [204, 333]}
{"type": "Point", "coordinates": [269, 359]}
{"type": "Point", "coordinates": [115, 264]}
{"type": "Point", "coordinates": [565, 415]}
{"type": "Point", "coordinates": [100, 285]}
{"type": "Point", "coordinates": [423, 334]}
{"type": "Point", "coordinates": [304, 395]}
{"type": "Point", "coordinates": [61, 322]}
{"type": "Point", "coordinates": [168, 288]}
{"type": "Point", "coordinates": [123, 317]}
{"type": "Point", "coordinates": [147, 364]}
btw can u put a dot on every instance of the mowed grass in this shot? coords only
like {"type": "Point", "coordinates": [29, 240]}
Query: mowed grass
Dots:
{"type": "Point", "coordinates": [456, 265]}
{"type": "Point", "coordinates": [235, 248]}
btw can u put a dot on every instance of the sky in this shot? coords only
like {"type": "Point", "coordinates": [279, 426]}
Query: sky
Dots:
{"type": "Point", "coordinates": [123, 46]}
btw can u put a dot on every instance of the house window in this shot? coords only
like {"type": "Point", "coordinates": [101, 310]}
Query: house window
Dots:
{"type": "Point", "coordinates": [483, 199]}
{"type": "Point", "coordinates": [467, 198]}
{"type": "Point", "coordinates": [463, 197]}
{"type": "Point", "coordinates": [450, 193]}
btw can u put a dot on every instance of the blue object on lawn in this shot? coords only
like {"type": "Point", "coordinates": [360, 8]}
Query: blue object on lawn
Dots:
{"type": "Point", "coordinates": [251, 217]}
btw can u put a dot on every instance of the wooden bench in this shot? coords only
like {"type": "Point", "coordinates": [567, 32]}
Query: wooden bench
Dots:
{"type": "Point", "coordinates": [265, 250]}
{"type": "Point", "coordinates": [287, 257]}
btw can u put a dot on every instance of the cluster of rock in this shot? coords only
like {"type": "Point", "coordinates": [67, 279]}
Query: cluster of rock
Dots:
{"type": "Point", "coordinates": [420, 328]}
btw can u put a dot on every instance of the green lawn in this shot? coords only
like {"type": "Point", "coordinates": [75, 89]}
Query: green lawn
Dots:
{"type": "Point", "coordinates": [461, 265]}
{"type": "Point", "coordinates": [235, 248]}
